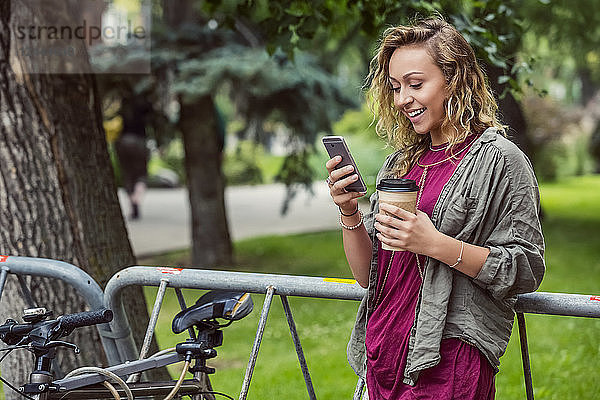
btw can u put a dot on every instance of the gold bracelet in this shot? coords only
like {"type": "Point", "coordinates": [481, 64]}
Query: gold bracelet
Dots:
{"type": "Point", "coordinates": [351, 228]}
{"type": "Point", "coordinates": [459, 259]}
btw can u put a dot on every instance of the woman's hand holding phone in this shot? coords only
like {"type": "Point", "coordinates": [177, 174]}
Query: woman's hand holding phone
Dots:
{"type": "Point", "coordinates": [347, 201]}
{"type": "Point", "coordinates": [345, 183]}
{"type": "Point", "coordinates": [345, 187]}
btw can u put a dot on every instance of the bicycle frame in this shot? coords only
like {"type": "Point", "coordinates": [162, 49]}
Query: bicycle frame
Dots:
{"type": "Point", "coordinates": [87, 386]}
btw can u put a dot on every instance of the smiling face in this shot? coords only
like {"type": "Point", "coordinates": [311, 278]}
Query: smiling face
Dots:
{"type": "Point", "coordinates": [419, 90]}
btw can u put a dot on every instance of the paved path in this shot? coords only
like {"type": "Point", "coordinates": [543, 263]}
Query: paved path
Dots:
{"type": "Point", "coordinates": [251, 211]}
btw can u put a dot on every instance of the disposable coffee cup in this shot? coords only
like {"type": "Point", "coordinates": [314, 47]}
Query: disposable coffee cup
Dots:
{"type": "Point", "coordinates": [401, 193]}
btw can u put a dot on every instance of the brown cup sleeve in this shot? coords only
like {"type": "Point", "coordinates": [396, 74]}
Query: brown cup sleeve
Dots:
{"type": "Point", "coordinates": [405, 205]}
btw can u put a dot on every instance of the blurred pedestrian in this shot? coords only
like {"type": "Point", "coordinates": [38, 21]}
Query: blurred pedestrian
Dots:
{"type": "Point", "coordinates": [133, 152]}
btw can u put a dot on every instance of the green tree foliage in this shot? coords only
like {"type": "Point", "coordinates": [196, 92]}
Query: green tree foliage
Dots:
{"type": "Point", "coordinates": [569, 33]}
{"type": "Point", "coordinates": [264, 88]}
{"type": "Point", "coordinates": [573, 26]}
{"type": "Point", "coordinates": [328, 28]}
{"type": "Point", "coordinates": [224, 48]}
{"type": "Point", "coordinates": [196, 61]}
{"type": "Point", "coordinates": [300, 94]}
{"type": "Point", "coordinates": [193, 58]}
{"type": "Point", "coordinates": [492, 27]}
{"type": "Point", "coordinates": [566, 37]}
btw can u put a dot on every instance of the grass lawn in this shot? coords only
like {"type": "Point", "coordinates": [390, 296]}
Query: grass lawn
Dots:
{"type": "Point", "coordinates": [565, 351]}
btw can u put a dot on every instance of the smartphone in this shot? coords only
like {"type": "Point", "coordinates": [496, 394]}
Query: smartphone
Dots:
{"type": "Point", "coordinates": [336, 146]}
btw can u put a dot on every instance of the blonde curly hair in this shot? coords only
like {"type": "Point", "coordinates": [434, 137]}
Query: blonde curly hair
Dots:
{"type": "Point", "coordinates": [470, 106]}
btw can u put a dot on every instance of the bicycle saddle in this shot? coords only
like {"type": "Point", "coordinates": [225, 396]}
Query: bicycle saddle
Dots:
{"type": "Point", "coordinates": [228, 305]}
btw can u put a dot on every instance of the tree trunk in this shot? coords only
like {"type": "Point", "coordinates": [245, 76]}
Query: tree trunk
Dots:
{"type": "Point", "coordinates": [510, 111]}
{"type": "Point", "coordinates": [57, 193]}
{"type": "Point", "coordinates": [512, 115]}
{"type": "Point", "coordinates": [589, 88]}
{"type": "Point", "coordinates": [211, 243]}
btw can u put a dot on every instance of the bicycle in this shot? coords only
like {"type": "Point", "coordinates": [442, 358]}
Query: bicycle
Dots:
{"type": "Point", "coordinates": [40, 336]}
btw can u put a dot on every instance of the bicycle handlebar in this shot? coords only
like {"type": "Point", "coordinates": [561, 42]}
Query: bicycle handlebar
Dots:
{"type": "Point", "coordinates": [16, 329]}
{"type": "Point", "coordinates": [11, 332]}
{"type": "Point", "coordinates": [71, 321]}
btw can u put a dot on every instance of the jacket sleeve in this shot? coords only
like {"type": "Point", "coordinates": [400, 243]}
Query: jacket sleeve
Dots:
{"type": "Point", "coordinates": [513, 232]}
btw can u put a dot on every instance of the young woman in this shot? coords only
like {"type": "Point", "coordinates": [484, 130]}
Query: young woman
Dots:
{"type": "Point", "coordinates": [438, 315]}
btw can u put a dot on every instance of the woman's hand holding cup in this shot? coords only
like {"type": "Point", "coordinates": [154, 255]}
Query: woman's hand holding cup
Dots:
{"type": "Point", "coordinates": [347, 201]}
{"type": "Point", "coordinates": [400, 224]}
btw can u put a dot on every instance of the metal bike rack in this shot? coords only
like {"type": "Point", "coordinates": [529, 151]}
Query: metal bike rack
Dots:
{"type": "Point", "coordinates": [316, 287]}
{"type": "Point", "coordinates": [85, 285]}
{"type": "Point", "coordinates": [118, 341]}
{"type": "Point", "coordinates": [571, 305]}
{"type": "Point", "coordinates": [268, 284]}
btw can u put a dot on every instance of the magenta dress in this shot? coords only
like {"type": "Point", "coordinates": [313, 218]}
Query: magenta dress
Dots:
{"type": "Point", "coordinates": [463, 372]}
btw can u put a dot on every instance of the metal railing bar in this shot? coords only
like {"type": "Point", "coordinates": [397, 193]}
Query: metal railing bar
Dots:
{"type": "Point", "coordinates": [525, 356]}
{"type": "Point", "coordinates": [291, 285]}
{"type": "Point", "coordinates": [303, 286]}
{"type": "Point", "coordinates": [118, 343]}
{"type": "Point", "coordinates": [69, 273]}
{"type": "Point", "coordinates": [214, 280]}
{"type": "Point", "coordinates": [257, 341]}
{"type": "Point", "coordinates": [25, 292]}
{"type": "Point", "coordinates": [570, 305]}
{"type": "Point", "coordinates": [3, 275]}
{"type": "Point", "coordinates": [160, 295]}
{"type": "Point", "coordinates": [298, 345]}
{"type": "Point", "coordinates": [183, 306]}
{"type": "Point", "coordinates": [577, 305]}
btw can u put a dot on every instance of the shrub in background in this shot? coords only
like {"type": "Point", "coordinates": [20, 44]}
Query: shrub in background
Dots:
{"type": "Point", "coordinates": [560, 143]}
{"type": "Point", "coordinates": [171, 156]}
{"type": "Point", "coordinates": [241, 167]}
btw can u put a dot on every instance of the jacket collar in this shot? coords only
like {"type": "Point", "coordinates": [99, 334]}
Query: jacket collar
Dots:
{"type": "Point", "coordinates": [490, 134]}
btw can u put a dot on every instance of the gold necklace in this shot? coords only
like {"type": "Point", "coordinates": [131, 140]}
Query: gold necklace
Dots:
{"type": "Point", "coordinates": [387, 272]}
{"type": "Point", "coordinates": [444, 160]}
{"type": "Point", "coordinates": [421, 186]}
{"type": "Point", "coordinates": [389, 266]}
{"type": "Point", "coordinates": [440, 149]}
{"type": "Point", "coordinates": [424, 174]}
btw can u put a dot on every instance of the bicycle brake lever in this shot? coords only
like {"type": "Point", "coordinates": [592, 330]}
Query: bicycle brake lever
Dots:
{"type": "Point", "coordinates": [61, 343]}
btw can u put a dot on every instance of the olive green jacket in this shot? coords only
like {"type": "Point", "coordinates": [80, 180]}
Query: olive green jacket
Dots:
{"type": "Point", "coordinates": [491, 200]}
